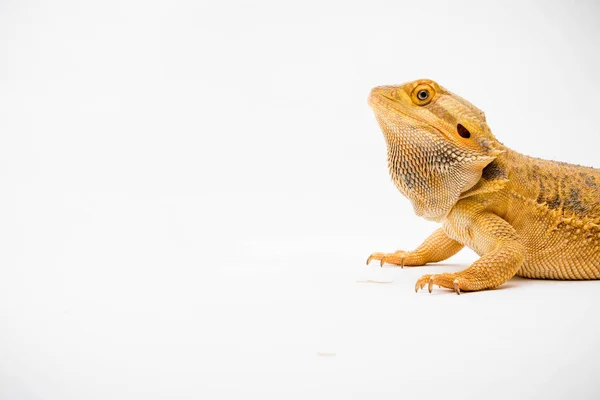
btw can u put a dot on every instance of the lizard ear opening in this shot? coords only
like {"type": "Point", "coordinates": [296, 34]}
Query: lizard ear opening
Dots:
{"type": "Point", "coordinates": [463, 132]}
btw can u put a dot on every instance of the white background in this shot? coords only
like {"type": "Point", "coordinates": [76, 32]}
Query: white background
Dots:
{"type": "Point", "coordinates": [190, 191]}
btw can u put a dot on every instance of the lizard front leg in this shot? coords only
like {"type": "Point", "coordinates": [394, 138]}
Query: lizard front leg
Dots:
{"type": "Point", "coordinates": [436, 247]}
{"type": "Point", "coordinates": [491, 237]}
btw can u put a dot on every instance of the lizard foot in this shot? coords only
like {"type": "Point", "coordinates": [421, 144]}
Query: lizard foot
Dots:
{"type": "Point", "coordinates": [449, 280]}
{"type": "Point", "coordinates": [401, 258]}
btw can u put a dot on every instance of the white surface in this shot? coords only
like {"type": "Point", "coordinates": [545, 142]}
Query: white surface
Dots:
{"type": "Point", "coordinates": [190, 191]}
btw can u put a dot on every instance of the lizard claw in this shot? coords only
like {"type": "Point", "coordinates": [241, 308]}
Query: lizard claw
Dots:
{"type": "Point", "coordinates": [375, 256]}
{"type": "Point", "coordinates": [422, 282]}
{"type": "Point", "coordinates": [385, 258]}
{"type": "Point", "coordinates": [441, 280]}
{"type": "Point", "coordinates": [456, 287]}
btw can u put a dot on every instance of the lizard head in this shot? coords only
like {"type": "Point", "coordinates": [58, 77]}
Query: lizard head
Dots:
{"type": "Point", "coordinates": [437, 144]}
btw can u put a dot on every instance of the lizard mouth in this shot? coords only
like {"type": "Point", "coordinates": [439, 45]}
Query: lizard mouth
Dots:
{"type": "Point", "coordinates": [381, 102]}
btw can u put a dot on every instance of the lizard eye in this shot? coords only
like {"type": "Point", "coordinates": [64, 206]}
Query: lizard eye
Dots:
{"type": "Point", "coordinates": [422, 94]}
{"type": "Point", "coordinates": [463, 132]}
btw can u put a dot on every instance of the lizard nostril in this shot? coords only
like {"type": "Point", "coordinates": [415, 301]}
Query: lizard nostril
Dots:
{"type": "Point", "coordinates": [463, 132]}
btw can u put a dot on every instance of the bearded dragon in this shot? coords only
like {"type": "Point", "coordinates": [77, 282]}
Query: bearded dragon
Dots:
{"type": "Point", "coordinates": [523, 216]}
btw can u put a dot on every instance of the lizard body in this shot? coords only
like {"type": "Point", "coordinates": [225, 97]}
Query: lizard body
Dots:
{"type": "Point", "coordinates": [524, 216]}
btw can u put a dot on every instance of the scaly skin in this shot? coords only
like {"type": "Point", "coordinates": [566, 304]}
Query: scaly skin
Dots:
{"type": "Point", "coordinates": [524, 216]}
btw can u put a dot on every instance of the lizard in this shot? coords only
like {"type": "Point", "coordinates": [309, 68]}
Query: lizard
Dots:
{"type": "Point", "coordinates": [522, 215]}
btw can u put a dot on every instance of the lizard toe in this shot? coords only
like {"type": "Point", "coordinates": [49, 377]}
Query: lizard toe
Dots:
{"type": "Point", "coordinates": [375, 256]}
{"type": "Point", "coordinates": [448, 281]}
{"type": "Point", "coordinates": [422, 281]}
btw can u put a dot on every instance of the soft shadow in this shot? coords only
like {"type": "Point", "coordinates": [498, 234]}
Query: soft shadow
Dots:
{"type": "Point", "coordinates": [463, 266]}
